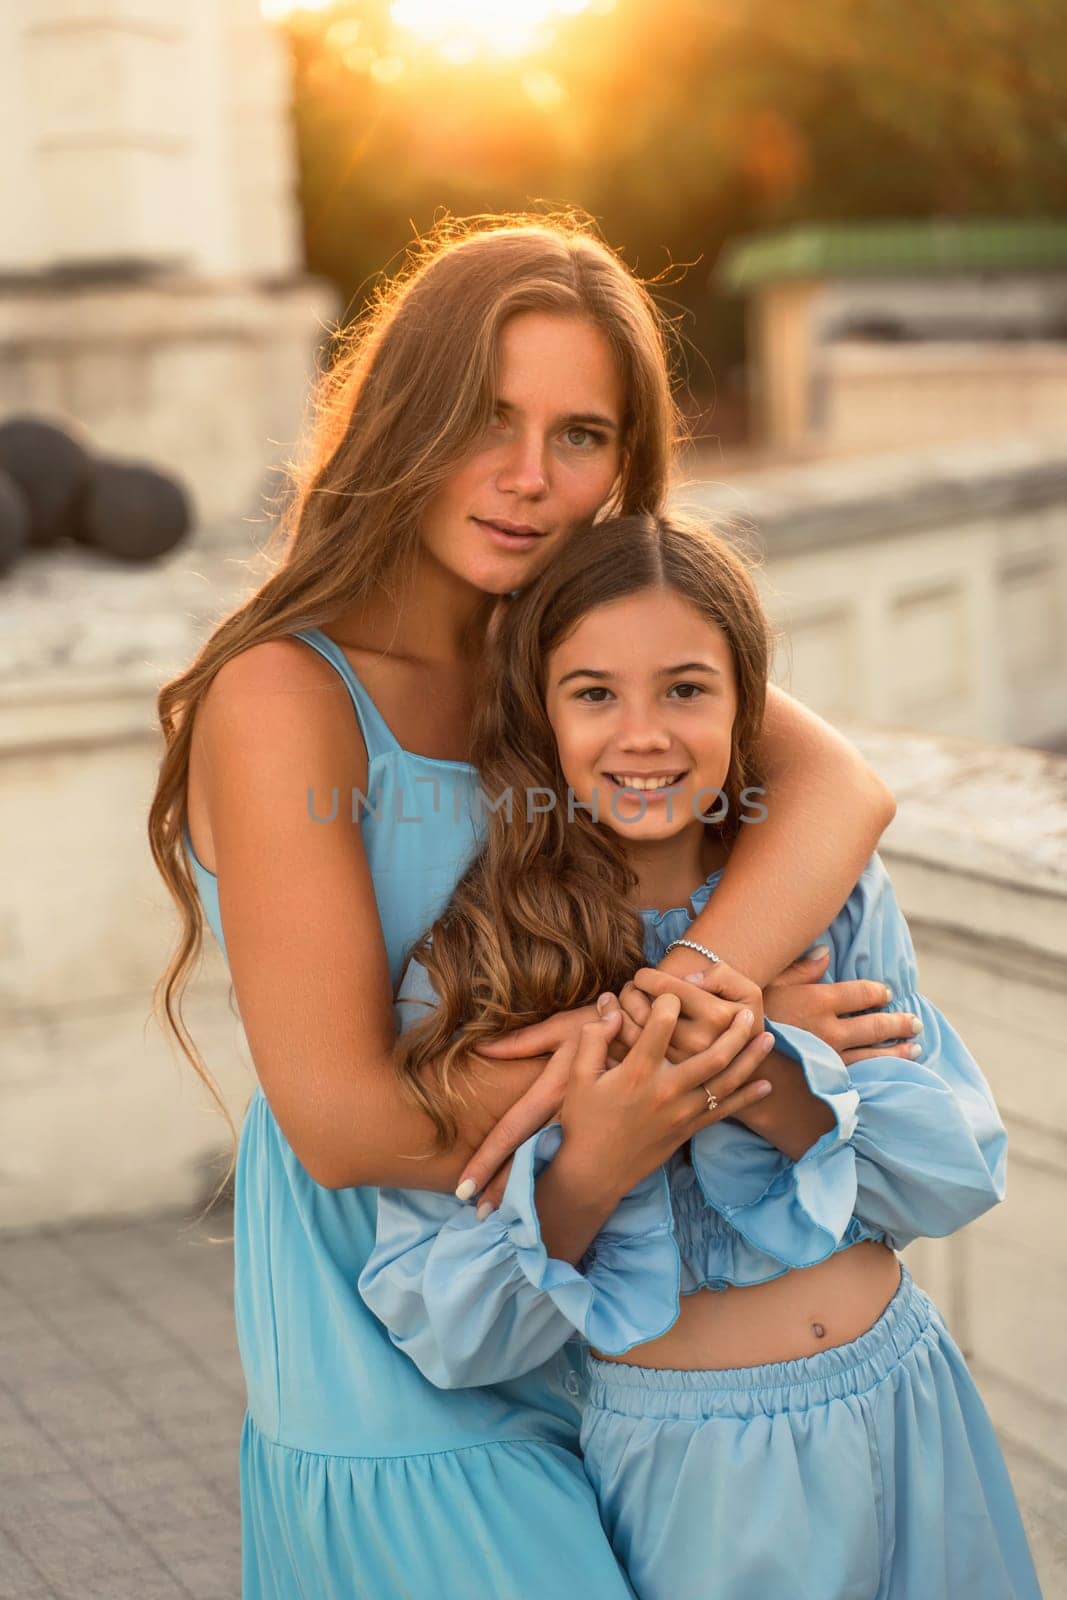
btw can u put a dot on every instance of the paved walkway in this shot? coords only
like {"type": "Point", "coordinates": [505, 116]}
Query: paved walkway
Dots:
{"type": "Point", "coordinates": [121, 1402]}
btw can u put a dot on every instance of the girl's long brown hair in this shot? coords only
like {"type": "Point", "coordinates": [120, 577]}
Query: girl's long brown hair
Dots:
{"type": "Point", "coordinates": [545, 917]}
{"type": "Point", "coordinates": [405, 400]}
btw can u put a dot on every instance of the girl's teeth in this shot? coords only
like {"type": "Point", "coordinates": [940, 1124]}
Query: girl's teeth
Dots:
{"type": "Point", "coordinates": [643, 783]}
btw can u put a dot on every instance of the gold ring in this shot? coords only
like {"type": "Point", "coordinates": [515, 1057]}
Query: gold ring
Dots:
{"type": "Point", "coordinates": [713, 1099]}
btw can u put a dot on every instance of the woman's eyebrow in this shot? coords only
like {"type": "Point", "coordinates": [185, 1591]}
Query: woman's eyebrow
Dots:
{"type": "Point", "coordinates": [592, 419]}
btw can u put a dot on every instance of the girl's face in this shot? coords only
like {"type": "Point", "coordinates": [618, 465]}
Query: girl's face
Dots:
{"type": "Point", "coordinates": [547, 463]}
{"type": "Point", "coordinates": [642, 698]}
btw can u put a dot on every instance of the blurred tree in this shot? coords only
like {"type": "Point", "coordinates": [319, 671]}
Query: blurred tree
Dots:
{"type": "Point", "coordinates": [680, 126]}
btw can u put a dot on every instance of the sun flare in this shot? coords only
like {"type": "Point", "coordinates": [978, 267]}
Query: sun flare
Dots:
{"type": "Point", "coordinates": [460, 30]}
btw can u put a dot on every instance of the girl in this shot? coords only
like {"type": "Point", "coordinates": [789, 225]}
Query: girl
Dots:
{"type": "Point", "coordinates": [799, 1423]}
{"type": "Point", "coordinates": [510, 386]}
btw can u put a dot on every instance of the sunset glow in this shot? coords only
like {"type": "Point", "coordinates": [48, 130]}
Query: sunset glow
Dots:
{"type": "Point", "coordinates": [278, 10]}
{"type": "Point", "coordinates": [463, 29]}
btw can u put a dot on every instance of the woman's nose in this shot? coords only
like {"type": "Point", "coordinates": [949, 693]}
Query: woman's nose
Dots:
{"type": "Point", "coordinates": [523, 470]}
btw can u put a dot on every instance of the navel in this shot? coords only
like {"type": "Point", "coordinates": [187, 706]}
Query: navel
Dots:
{"type": "Point", "coordinates": [818, 1330]}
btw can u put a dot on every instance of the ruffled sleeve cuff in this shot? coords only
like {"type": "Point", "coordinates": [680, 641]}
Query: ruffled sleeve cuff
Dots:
{"type": "Point", "coordinates": [626, 1290]}
{"type": "Point", "coordinates": [797, 1212]}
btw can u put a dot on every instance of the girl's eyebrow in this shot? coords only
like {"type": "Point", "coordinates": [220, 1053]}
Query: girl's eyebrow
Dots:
{"type": "Point", "coordinates": [664, 672]}
{"type": "Point", "coordinates": [591, 419]}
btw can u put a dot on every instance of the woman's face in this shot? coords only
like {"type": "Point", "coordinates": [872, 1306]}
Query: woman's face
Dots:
{"type": "Point", "coordinates": [642, 698]}
{"type": "Point", "coordinates": [547, 463]}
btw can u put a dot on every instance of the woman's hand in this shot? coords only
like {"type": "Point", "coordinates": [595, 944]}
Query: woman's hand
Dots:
{"type": "Point", "coordinates": [486, 1173]}
{"type": "Point", "coordinates": [538, 1059]}
{"type": "Point", "coordinates": [620, 1124]}
{"type": "Point", "coordinates": [828, 1010]}
{"type": "Point", "coordinates": [709, 1000]}
{"type": "Point", "coordinates": [540, 1038]}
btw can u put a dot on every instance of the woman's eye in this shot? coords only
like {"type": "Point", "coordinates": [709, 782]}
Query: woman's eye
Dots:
{"type": "Point", "coordinates": [687, 691]}
{"type": "Point", "coordinates": [594, 696]}
{"type": "Point", "coordinates": [583, 438]}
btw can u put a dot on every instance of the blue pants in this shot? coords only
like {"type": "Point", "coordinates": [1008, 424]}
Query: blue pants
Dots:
{"type": "Point", "coordinates": [869, 1471]}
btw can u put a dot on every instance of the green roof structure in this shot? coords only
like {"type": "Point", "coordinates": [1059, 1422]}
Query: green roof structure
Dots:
{"type": "Point", "coordinates": [898, 249]}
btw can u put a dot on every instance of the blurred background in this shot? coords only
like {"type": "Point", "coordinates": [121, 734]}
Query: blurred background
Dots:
{"type": "Point", "coordinates": [855, 213]}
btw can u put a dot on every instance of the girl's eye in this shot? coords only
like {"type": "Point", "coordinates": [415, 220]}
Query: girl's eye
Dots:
{"type": "Point", "coordinates": [594, 696]}
{"type": "Point", "coordinates": [687, 691]}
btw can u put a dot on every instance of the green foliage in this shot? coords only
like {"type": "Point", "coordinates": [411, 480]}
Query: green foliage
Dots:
{"type": "Point", "coordinates": [680, 125]}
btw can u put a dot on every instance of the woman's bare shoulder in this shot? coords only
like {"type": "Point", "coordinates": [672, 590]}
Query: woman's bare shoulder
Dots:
{"type": "Point", "coordinates": [274, 666]}
{"type": "Point", "coordinates": [273, 716]}
{"type": "Point", "coordinates": [280, 687]}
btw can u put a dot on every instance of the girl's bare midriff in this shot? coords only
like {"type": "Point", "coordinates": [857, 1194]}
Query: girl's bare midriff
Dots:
{"type": "Point", "coordinates": [790, 1317]}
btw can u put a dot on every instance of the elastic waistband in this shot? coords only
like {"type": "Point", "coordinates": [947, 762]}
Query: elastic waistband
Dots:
{"type": "Point", "coordinates": [845, 1369]}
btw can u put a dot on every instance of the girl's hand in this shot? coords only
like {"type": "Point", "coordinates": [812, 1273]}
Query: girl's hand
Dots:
{"type": "Point", "coordinates": [826, 1009]}
{"type": "Point", "coordinates": [709, 1001]}
{"type": "Point", "coordinates": [621, 1124]}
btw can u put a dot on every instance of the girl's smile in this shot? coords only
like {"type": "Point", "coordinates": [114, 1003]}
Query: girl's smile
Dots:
{"type": "Point", "coordinates": [641, 697]}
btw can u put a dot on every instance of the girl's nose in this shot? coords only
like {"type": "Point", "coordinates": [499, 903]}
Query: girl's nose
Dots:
{"type": "Point", "coordinates": [644, 733]}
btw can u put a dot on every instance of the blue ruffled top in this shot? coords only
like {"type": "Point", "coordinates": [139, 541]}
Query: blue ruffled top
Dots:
{"type": "Point", "coordinates": [917, 1148]}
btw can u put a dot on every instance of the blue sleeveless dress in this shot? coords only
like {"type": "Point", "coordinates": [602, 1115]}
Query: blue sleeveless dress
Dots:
{"type": "Point", "coordinates": [360, 1480]}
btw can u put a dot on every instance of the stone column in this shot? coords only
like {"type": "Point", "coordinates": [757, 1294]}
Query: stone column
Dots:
{"type": "Point", "coordinates": [151, 283]}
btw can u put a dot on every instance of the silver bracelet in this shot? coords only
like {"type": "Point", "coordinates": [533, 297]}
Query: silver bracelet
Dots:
{"type": "Point", "coordinates": [691, 944]}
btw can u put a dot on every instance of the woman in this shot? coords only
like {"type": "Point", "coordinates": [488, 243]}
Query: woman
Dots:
{"type": "Point", "coordinates": [774, 1431]}
{"type": "Point", "coordinates": [511, 385]}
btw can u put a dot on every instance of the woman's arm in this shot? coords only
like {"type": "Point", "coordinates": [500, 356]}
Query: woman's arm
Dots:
{"type": "Point", "coordinates": [305, 945]}
{"type": "Point", "coordinates": [826, 811]}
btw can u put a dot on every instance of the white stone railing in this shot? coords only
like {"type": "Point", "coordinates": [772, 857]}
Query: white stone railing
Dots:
{"type": "Point", "coordinates": [978, 855]}
{"type": "Point", "coordinates": [921, 589]}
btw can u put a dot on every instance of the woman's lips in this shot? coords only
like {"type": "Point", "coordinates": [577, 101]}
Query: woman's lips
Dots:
{"type": "Point", "coordinates": [513, 538]}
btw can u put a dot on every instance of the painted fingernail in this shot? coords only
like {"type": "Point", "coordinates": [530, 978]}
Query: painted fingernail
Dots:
{"type": "Point", "coordinates": [763, 1088]}
{"type": "Point", "coordinates": [484, 1209]}
{"type": "Point", "coordinates": [607, 1005]}
{"type": "Point", "coordinates": [746, 1016]}
{"type": "Point", "coordinates": [766, 1040]}
{"type": "Point", "coordinates": [693, 977]}
{"type": "Point", "coordinates": [818, 953]}
{"type": "Point", "coordinates": [888, 996]}
{"type": "Point", "coordinates": [466, 1189]}
{"type": "Point", "coordinates": [913, 1050]}
{"type": "Point", "coordinates": [916, 1024]}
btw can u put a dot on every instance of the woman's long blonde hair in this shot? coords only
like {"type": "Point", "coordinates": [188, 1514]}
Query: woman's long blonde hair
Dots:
{"type": "Point", "coordinates": [545, 917]}
{"type": "Point", "coordinates": [409, 394]}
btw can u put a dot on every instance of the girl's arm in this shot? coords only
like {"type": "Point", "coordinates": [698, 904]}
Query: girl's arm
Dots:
{"type": "Point", "coordinates": [303, 937]}
{"type": "Point", "coordinates": [916, 1147]}
{"type": "Point", "coordinates": [476, 1300]}
{"type": "Point", "coordinates": [826, 810]}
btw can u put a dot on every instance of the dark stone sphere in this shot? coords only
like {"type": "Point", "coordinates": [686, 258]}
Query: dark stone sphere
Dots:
{"type": "Point", "coordinates": [52, 470]}
{"type": "Point", "coordinates": [132, 511]}
{"type": "Point", "coordinates": [14, 522]}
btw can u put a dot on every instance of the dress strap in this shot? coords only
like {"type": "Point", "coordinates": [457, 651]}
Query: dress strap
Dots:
{"type": "Point", "coordinates": [377, 734]}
